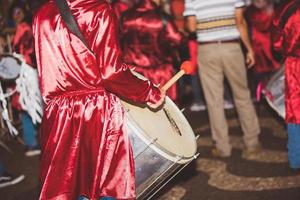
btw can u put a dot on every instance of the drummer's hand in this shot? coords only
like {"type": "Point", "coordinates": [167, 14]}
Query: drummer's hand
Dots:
{"type": "Point", "coordinates": [250, 59]}
{"type": "Point", "coordinates": [160, 102]}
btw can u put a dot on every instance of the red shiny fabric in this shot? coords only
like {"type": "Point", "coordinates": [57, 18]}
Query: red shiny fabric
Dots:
{"type": "Point", "coordinates": [260, 23]}
{"type": "Point", "coordinates": [287, 41]}
{"type": "Point", "coordinates": [177, 9]}
{"type": "Point", "coordinates": [85, 147]}
{"type": "Point", "coordinates": [121, 6]}
{"type": "Point", "coordinates": [149, 43]}
{"type": "Point", "coordinates": [23, 43]}
{"type": "Point", "coordinates": [193, 50]}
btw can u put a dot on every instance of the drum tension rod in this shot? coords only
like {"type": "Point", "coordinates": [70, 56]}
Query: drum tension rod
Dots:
{"type": "Point", "coordinates": [196, 156]}
{"type": "Point", "coordinates": [148, 145]}
{"type": "Point", "coordinates": [172, 121]}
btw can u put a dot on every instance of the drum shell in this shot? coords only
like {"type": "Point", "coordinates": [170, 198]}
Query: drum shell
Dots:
{"type": "Point", "coordinates": [151, 169]}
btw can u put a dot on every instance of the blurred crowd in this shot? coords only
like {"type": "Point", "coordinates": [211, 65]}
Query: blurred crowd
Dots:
{"type": "Point", "coordinates": [164, 50]}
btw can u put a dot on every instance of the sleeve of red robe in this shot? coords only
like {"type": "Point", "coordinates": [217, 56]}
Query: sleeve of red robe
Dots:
{"type": "Point", "coordinates": [116, 76]}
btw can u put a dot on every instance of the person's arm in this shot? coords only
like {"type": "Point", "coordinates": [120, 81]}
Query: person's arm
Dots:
{"type": "Point", "coordinates": [191, 27]}
{"type": "Point", "coordinates": [190, 15]}
{"type": "Point", "coordinates": [191, 24]}
{"type": "Point", "coordinates": [244, 34]}
{"type": "Point", "coordinates": [116, 75]}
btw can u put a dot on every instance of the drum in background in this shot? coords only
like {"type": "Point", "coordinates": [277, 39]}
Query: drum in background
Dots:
{"type": "Point", "coordinates": [163, 144]}
{"type": "Point", "coordinates": [274, 92]}
{"type": "Point", "coordinates": [10, 67]}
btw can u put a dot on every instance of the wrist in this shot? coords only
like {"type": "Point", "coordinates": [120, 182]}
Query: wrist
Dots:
{"type": "Point", "coordinates": [250, 50]}
{"type": "Point", "coordinates": [154, 95]}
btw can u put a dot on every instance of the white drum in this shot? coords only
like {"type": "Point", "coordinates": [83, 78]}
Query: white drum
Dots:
{"type": "Point", "coordinates": [274, 92]}
{"type": "Point", "coordinates": [163, 144]}
{"type": "Point", "coordinates": [10, 67]}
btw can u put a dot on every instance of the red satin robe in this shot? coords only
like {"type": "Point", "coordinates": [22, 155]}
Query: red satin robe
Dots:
{"type": "Point", "coordinates": [260, 22]}
{"type": "Point", "coordinates": [150, 42]}
{"type": "Point", "coordinates": [85, 148]}
{"type": "Point", "coordinates": [287, 41]}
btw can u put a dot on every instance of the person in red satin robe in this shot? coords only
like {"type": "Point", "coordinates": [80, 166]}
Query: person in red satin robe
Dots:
{"type": "Point", "coordinates": [85, 147]}
{"type": "Point", "coordinates": [149, 41]}
{"type": "Point", "coordinates": [286, 35]}
{"type": "Point", "coordinates": [260, 15]}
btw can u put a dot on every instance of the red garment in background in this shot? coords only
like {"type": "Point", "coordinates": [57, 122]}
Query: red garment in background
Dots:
{"type": "Point", "coordinates": [177, 9]}
{"type": "Point", "coordinates": [121, 6]}
{"type": "Point", "coordinates": [85, 148]}
{"type": "Point", "coordinates": [150, 40]}
{"type": "Point", "coordinates": [260, 22]}
{"type": "Point", "coordinates": [287, 40]}
{"type": "Point", "coordinates": [23, 43]}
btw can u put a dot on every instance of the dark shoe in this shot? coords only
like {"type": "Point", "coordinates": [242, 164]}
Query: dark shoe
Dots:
{"type": "Point", "coordinates": [248, 152]}
{"type": "Point", "coordinates": [218, 153]}
{"type": "Point", "coordinates": [33, 151]}
{"type": "Point", "coordinates": [7, 179]}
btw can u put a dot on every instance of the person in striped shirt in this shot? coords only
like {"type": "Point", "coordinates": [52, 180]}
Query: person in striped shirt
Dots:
{"type": "Point", "coordinates": [220, 26]}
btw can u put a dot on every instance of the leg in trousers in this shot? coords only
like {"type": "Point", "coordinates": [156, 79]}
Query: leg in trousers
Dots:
{"type": "Point", "coordinates": [235, 71]}
{"type": "Point", "coordinates": [212, 80]}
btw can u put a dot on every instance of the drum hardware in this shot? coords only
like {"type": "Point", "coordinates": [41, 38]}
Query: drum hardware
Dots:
{"type": "Point", "coordinates": [156, 189]}
{"type": "Point", "coordinates": [161, 175]}
{"type": "Point", "coordinates": [197, 137]}
{"type": "Point", "coordinates": [182, 110]}
{"type": "Point", "coordinates": [148, 146]}
{"type": "Point", "coordinates": [172, 121]}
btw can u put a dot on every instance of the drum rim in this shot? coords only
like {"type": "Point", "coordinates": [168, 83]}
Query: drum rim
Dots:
{"type": "Point", "coordinates": [157, 147]}
{"type": "Point", "coordinates": [18, 61]}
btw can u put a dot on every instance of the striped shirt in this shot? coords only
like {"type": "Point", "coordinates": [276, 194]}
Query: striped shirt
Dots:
{"type": "Point", "coordinates": [215, 18]}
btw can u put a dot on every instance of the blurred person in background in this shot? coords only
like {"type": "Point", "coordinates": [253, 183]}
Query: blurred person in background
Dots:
{"type": "Point", "coordinates": [188, 51]}
{"type": "Point", "coordinates": [220, 26]}
{"type": "Point", "coordinates": [6, 179]}
{"type": "Point", "coordinates": [23, 43]}
{"type": "Point", "coordinates": [286, 37]}
{"type": "Point", "coordinates": [150, 42]}
{"type": "Point", "coordinates": [260, 16]}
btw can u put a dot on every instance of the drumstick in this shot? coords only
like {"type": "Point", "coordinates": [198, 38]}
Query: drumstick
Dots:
{"type": "Point", "coordinates": [185, 68]}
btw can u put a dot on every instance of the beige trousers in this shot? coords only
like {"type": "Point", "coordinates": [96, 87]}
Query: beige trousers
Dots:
{"type": "Point", "coordinates": [216, 61]}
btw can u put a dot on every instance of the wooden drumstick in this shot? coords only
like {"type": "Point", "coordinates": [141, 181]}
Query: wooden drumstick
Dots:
{"type": "Point", "coordinates": [185, 68]}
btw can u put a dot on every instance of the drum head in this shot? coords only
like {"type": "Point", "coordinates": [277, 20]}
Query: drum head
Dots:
{"type": "Point", "coordinates": [9, 68]}
{"type": "Point", "coordinates": [166, 131]}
